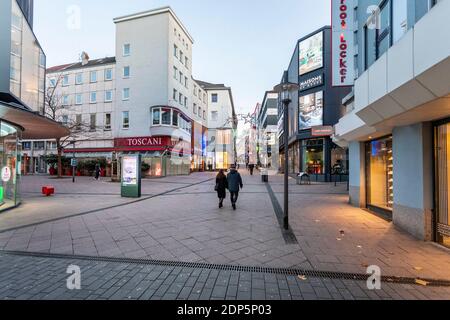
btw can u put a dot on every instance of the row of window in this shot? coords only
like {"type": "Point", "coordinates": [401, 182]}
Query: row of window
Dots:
{"type": "Point", "coordinates": [170, 117]}
{"type": "Point", "coordinates": [39, 145]}
{"type": "Point", "coordinates": [177, 53]}
{"type": "Point", "coordinates": [178, 75]}
{"type": "Point", "coordinates": [179, 38]}
{"type": "Point", "coordinates": [92, 122]}
{"type": "Point", "coordinates": [93, 97]}
{"type": "Point", "coordinates": [201, 95]}
{"type": "Point", "coordinates": [93, 78]}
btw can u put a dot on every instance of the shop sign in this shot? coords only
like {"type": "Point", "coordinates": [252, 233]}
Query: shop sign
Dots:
{"type": "Point", "coordinates": [342, 12]}
{"type": "Point", "coordinates": [6, 174]}
{"type": "Point", "coordinates": [311, 83]}
{"type": "Point", "coordinates": [143, 142]}
{"type": "Point", "coordinates": [322, 131]}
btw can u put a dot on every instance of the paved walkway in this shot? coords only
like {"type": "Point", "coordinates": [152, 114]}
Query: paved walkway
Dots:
{"type": "Point", "coordinates": [45, 279]}
{"type": "Point", "coordinates": [178, 220]}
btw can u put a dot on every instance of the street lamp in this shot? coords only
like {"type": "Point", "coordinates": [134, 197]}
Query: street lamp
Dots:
{"type": "Point", "coordinates": [73, 162]}
{"type": "Point", "coordinates": [285, 91]}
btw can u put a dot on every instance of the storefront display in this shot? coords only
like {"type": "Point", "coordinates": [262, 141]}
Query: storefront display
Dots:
{"type": "Point", "coordinates": [442, 141]}
{"type": "Point", "coordinates": [379, 175]}
{"type": "Point", "coordinates": [313, 156]}
{"type": "Point", "coordinates": [310, 110]}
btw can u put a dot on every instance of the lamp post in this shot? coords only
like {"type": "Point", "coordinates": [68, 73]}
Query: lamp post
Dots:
{"type": "Point", "coordinates": [285, 90]}
{"type": "Point", "coordinates": [73, 161]}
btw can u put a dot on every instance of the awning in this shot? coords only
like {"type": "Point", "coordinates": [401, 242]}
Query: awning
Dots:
{"type": "Point", "coordinates": [34, 126]}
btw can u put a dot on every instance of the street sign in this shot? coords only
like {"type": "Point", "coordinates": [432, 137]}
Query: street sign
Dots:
{"type": "Point", "coordinates": [74, 162]}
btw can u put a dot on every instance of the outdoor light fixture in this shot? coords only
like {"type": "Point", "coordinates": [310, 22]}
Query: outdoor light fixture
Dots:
{"type": "Point", "coordinates": [286, 90]}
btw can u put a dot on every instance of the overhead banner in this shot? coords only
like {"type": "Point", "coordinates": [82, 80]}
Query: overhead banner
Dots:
{"type": "Point", "coordinates": [342, 12]}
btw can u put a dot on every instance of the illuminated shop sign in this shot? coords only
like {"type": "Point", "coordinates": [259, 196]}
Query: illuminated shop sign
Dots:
{"type": "Point", "coordinates": [342, 12]}
{"type": "Point", "coordinates": [311, 83]}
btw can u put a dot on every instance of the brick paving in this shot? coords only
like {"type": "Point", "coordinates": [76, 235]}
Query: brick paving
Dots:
{"type": "Point", "coordinates": [186, 225]}
{"type": "Point", "coordinates": [37, 278]}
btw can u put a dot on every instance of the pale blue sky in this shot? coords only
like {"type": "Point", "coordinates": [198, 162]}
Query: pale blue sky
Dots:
{"type": "Point", "coordinates": [245, 44]}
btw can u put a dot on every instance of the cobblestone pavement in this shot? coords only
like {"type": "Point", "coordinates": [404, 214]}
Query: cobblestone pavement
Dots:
{"type": "Point", "coordinates": [30, 278]}
{"type": "Point", "coordinates": [186, 225]}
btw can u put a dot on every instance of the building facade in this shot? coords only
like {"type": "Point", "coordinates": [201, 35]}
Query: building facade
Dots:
{"type": "Point", "coordinates": [315, 108]}
{"type": "Point", "coordinates": [267, 124]}
{"type": "Point", "coordinates": [22, 86]}
{"type": "Point", "coordinates": [397, 122]}
{"type": "Point", "coordinates": [144, 100]}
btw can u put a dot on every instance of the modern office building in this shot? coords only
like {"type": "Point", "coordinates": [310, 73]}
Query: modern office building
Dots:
{"type": "Point", "coordinates": [397, 123]}
{"type": "Point", "coordinates": [267, 124]}
{"type": "Point", "coordinates": [27, 7]}
{"type": "Point", "coordinates": [22, 85]}
{"type": "Point", "coordinates": [145, 99]}
{"type": "Point", "coordinates": [315, 108]}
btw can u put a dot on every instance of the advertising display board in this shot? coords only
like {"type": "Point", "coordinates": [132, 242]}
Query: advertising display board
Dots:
{"type": "Point", "coordinates": [342, 12]}
{"type": "Point", "coordinates": [131, 176]}
{"type": "Point", "coordinates": [311, 54]}
{"type": "Point", "coordinates": [310, 110]}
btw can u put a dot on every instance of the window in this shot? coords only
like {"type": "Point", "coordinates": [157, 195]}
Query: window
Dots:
{"type": "Point", "coordinates": [93, 98]}
{"type": "Point", "coordinates": [186, 82]}
{"type": "Point", "coordinates": [214, 98]}
{"type": "Point", "coordinates": [175, 94]}
{"type": "Point", "coordinates": [65, 80]}
{"type": "Point", "coordinates": [180, 98]}
{"type": "Point", "coordinates": [26, 145]}
{"type": "Point", "coordinates": [195, 90]}
{"type": "Point", "coordinates": [165, 117]}
{"type": "Point", "coordinates": [400, 19]}
{"type": "Point", "coordinates": [79, 78]}
{"type": "Point", "coordinates": [175, 50]}
{"type": "Point", "coordinates": [186, 62]}
{"type": "Point", "coordinates": [185, 102]}
{"type": "Point", "coordinates": [383, 39]}
{"type": "Point", "coordinates": [175, 73]}
{"type": "Point", "coordinates": [174, 118]}
{"type": "Point", "coordinates": [199, 111]}
{"type": "Point", "coordinates": [78, 99]}
{"type": "Point", "coordinates": [51, 145]}
{"type": "Point", "coordinates": [126, 94]}
{"type": "Point", "coordinates": [65, 101]}
{"type": "Point", "coordinates": [313, 156]}
{"type": "Point", "coordinates": [204, 115]}
{"type": "Point", "coordinates": [156, 116]}
{"type": "Point", "coordinates": [126, 72]}
{"type": "Point", "coordinates": [65, 120]}
{"type": "Point", "coordinates": [204, 97]}
{"type": "Point", "coordinates": [108, 95]}
{"type": "Point", "coordinates": [214, 115]}
{"type": "Point", "coordinates": [181, 77]}
{"type": "Point", "coordinates": [125, 120]}
{"type": "Point", "coordinates": [78, 122]}
{"type": "Point", "coordinates": [93, 122]}
{"type": "Point", "coordinates": [195, 108]}
{"type": "Point", "coordinates": [126, 49]}
{"type": "Point", "coordinates": [93, 76]}
{"type": "Point", "coordinates": [39, 145]}
{"type": "Point", "coordinates": [52, 82]}
{"type": "Point", "coordinates": [181, 56]}
{"type": "Point", "coordinates": [108, 74]}
{"type": "Point", "coordinates": [42, 59]}
{"type": "Point", "coordinates": [107, 121]}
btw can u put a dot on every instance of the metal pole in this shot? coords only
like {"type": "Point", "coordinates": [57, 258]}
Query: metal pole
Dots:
{"type": "Point", "coordinates": [73, 167]}
{"type": "Point", "coordinates": [286, 164]}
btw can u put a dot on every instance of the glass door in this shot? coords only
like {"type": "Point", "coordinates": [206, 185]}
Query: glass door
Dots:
{"type": "Point", "coordinates": [442, 183]}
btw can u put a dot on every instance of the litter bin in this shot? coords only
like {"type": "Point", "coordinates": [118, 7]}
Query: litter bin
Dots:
{"type": "Point", "coordinates": [264, 176]}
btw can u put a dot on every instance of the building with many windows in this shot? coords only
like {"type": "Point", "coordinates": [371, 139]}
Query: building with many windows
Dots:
{"type": "Point", "coordinates": [397, 122]}
{"type": "Point", "coordinates": [267, 120]}
{"type": "Point", "coordinates": [144, 100]}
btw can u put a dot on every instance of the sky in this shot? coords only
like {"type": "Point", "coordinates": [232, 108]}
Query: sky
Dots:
{"type": "Point", "coordinates": [245, 44]}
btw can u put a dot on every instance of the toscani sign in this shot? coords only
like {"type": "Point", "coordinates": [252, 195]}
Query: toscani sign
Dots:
{"type": "Point", "coordinates": [342, 12]}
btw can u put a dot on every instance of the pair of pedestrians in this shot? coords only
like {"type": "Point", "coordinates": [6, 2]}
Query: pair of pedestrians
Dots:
{"type": "Point", "coordinates": [232, 182]}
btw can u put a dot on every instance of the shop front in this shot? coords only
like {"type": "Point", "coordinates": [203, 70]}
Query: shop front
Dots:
{"type": "Point", "coordinates": [380, 176]}
{"type": "Point", "coordinates": [442, 182]}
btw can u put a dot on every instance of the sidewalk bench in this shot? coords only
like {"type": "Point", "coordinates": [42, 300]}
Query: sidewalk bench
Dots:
{"type": "Point", "coordinates": [48, 190]}
{"type": "Point", "coordinates": [303, 177]}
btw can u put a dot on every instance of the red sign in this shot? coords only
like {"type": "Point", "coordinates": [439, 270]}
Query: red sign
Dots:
{"type": "Point", "coordinates": [322, 131]}
{"type": "Point", "coordinates": [144, 142]}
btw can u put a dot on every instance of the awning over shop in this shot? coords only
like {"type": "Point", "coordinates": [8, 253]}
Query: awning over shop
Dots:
{"type": "Point", "coordinates": [34, 125]}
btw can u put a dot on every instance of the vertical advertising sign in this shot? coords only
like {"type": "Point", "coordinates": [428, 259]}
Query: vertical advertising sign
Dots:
{"type": "Point", "coordinates": [131, 176]}
{"type": "Point", "coordinates": [342, 13]}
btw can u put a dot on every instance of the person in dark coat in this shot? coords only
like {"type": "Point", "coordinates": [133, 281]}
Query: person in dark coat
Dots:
{"type": "Point", "coordinates": [234, 185]}
{"type": "Point", "coordinates": [97, 171]}
{"type": "Point", "coordinates": [251, 168]}
{"type": "Point", "coordinates": [221, 187]}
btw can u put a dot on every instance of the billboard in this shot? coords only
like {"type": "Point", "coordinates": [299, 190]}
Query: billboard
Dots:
{"type": "Point", "coordinates": [311, 54]}
{"type": "Point", "coordinates": [310, 110]}
{"type": "Point", "coordinates": [343, 63]}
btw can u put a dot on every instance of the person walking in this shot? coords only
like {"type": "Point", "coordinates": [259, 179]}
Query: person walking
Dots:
{"type": "Point", "coordinates": [234, 185]}
{"type": "Point", "coordinates": [251, 168]}
{"type": "Point", "coordinates": [221, 187]}
{"type": "Point", "coordinates": [97, 171]}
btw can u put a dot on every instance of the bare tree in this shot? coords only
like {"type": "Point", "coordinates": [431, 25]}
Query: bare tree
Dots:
{"type": "Point", "coordinates": [56, 110]}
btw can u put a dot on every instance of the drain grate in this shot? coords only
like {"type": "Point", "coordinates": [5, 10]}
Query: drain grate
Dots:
{"type": "Point", "coordinates": [224, 267]}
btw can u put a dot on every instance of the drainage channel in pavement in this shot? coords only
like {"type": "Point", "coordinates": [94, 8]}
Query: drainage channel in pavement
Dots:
{"type": "Point", "coordinates": [109, 207]}
{"type": "Point", "coordinates": [224, 267]}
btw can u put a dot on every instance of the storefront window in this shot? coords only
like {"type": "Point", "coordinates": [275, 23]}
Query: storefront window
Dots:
{"type": "Point", "coordinates": [313, 156]}
{"type": "Point", "coordinates": [9, 164]}
{"type": "Point", "coordinates": [379, 174]}
{"type": "Point", "coordinates": [443, 182]}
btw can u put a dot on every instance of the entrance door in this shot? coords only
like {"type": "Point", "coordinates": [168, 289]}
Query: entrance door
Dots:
{"type": "Point", "coordinates": [442, 183]}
